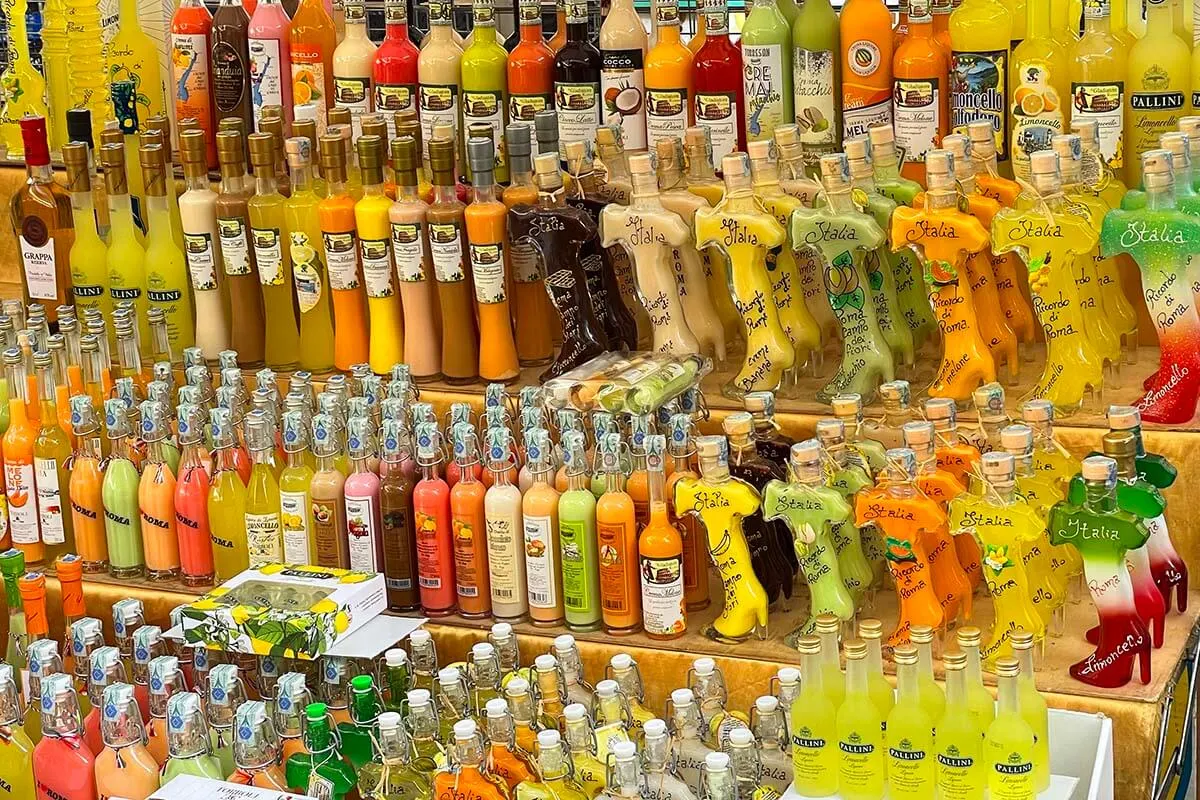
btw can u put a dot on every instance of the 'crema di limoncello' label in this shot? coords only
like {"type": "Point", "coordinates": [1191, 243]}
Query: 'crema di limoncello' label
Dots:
{"type": "Point", "coordinates": [977, 91]}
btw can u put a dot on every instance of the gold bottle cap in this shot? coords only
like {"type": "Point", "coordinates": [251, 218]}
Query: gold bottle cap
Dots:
{"type": "Point", "coordinates": [233, 124]}
{"type": "Point", "coordinates": [1021, 639]}
{"type": "Point", "coordinates": [306, 128]}
{"type": "Point", "coordinates": [1007, 667]}
{"type": "Point", "coordinates": [809, 645]}
{"type": "Point", "coordinates": [969, 636]}
{"type": "Point", "coordinates": [546, 172]}
{"type": "Point", "coordinates": [339, 116]}
{"type": "Point", "coordinates": [921, 634]}
{"type": "Point", "coordinates": [111, 136]}
{"type": "Point", "coordinates": [405, 156]}
{"type": "Point", "coordinates": [904, 654]}
{"type": "Point", "coordinates": [189, 124]}
{"type": "Point", "coordinates": [262, 150]}
{"type": "Point", "coordinates": [375, 125]}
{"type": "Point", "coordinates": [441, 161]}
{"type": "Point", "coordinates": [954, 660]}
{"type": "Point", "coordinates": [824, 623]}
{"type": "Point", "coordinates": [147, 137]}
{"type": "Point", "coordinates": [193, 153]}
{"type": "Point", "coordinates": [112, 156]}
{"type": "Point", "coordinates": [270, 112]}
{"type": "Point", "coordinates": [158, 122]}
{"type": "Point", "coordinates": [370, 159]}
{"type": "Point", "coordinates": [1119, 444]}
{"type": "Point", "coordinates": [75, 157]}
{"type": "Point", "coordinates": [230, 154]}
{"type": "Point", "coordinates": [870, 628]}
{"type": "Point", "coordinates": [154, 169]}
{"type": "Point", "coordinates": [332, 158]}
{"type": "Point", "coordinates": [271, 125]}
{"type": "Point", "coordinates": [855, 649]}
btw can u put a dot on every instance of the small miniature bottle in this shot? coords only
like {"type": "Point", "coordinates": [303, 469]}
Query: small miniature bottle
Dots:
{"type": "Point", "coordinates": [322, 765]}
{"type": "Point", "coordinates": [958, 739]}
{"type": "Point", "coordinates": [63, 764]}
{"type": "Point", "coordinates": [124, 768]}
{"type": "Point", "coordinates": [661, 782]}
{"type": "Point", "coordinates": [769, 725]}
{"type": "Point", "coordinates": [813, 727]}
{"type": "Point", "coordinates": [686, 726]}
{"type": "Point", "coordinates": [1009, 751]}
{"type": "Point", "coordinates": [860, 732]}
{"type": "Point", "coordinates": [166, 680]}
{"type": "Point", "coordinates": [256, 749]}
{"type": "Point", "coordinates": [16, 747]}
{"type": "Point", "coordinates": [589, 771]}
{"type": "Point", "coordinates": [188, 741]}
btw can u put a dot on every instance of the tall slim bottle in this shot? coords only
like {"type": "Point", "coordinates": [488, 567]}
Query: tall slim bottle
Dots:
{"type": "Point", "coordinates": [866, 56]}
{"type": "Point", "coordinates": [133, 55]}
{"type": "Point", "coordinates": [270, 66]}
{"type": "Point", "coordinates": [42, 221]}
{"type": "Point", "coordinates": [431, 507]}
{"type": "Point", "coordinates": [394, 73]}
{"type": "Point", "coordinates": [439, 75]}
{"type": "Point", "coordinates": [958, 740]}
{"type": "Point", "coordinates": [231, 68]}
{"type": "Point", "coordinates": [126, 255]}
{"type": "Point", "coordinates": [451, 265]}
{"type": "Point", "coordinates": [87, 504]}
{"type": "Point", "coordinates": [817, 80]}
{"type": "Point", "coordinates": [375, 246]}
{"type": "Point", "coordinates": [669, 91]}
{"type": "Point", "coordinates": [340, 241]}
{"type": "Point", "coordinates": [191, 69]}
{"type": "Point", "coordinates": [89, 253]}
{"type": "Point", "coordinates": [327, 490]}
{"type": "Point", "coordinates": [1158, 80]}
{"type": "Point", "coordinates": [485, 84]}
{"type": "Point", "coordinates": [616, 533]}
{"type": "Point", "coordinates": [920, 74]}
{"type": "Point", "coordinates": [191, 499]}
{"type": "Point", "coordinates": [122, 519]}
{"type": "Point", "coordinates": [1098, 72]}
{"type": "Point", "coordinates": [766, 70]}
{"type": "Point", "coordinates": [226, 501]}
{"type": "Point", "coordinates": [51, 454]}
{"type": "Point", "coordinates": [312, 42]}
{"type": "Point", "coordinates": [25, 86]}
{"type": "Point", "coordinates": [980, 37]}
{"type": "Point", "coordinates": [1009, 750]}
{"type": "Point", "coordinates": [202, 246]}
{"type": "Point", "coordinates": [353, 60]}
{"type": "Point", "coordinates": [577, 80]}
{"type": "Point", "coordinates": [1039, 83]}
{"type": "Point", "coordinates": [396, 514]}
{"type": "Point", "coordinates": [414, 265]}
{"type": "Point", "coordinates": [623, 47]}
{"type": "Point", "coordinates": [268, 234]}
{"type": "Point", "coordinates": [237, 256]}
{"type": "Point", "coordinates": [859, 732]}
{"type": "Point", "coordinates": [578, 542]}
{"type": "Point", "coordinates": [18, 450]}
{"type": "Point", "coordinates": [308, 272]}
{"type": "Point", "coordinates": [264, 526]}
{"type": "Point", "coordinates": [362, 500]}
{"type": "Point", "coordinates": [719, 104]}
{"type": "Point", "coordinates": [166, 270]}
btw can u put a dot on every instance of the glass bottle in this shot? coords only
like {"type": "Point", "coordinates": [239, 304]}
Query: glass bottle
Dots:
{"type": "Point", "coordinates": [660, 557]}
{"type": "Point", "coordinates": [1097, 72]}
{"type": "Point", "coordinates": [424, 729]}
{"type": "Point", "coordinates": [717, 81]}
{"type": "Point", "coordinates": [312, 281]}
{"type": "Point", "coordinates": [237, 255]}
{"type": "Point", "coordinates": [910, 754]}
{"type": "Point", "coordinates": [394, 74]}
{"type": "Point", "coordinates": [323, 764]}
{"type": "Point", "coordinates": [556, 769]}
{"type": "Point", "coordinates": [165, 680]}
{"type": "Point", "coordinates": [126, 252]}
{"type": "Point", "coordinates": [414, 265]}
{"type": "Point", "coordinates": [225, 692]}
{"type": "Point", "coordinates": [192, 69]}
{"type": "Point", "coordinates": [312, 40]}
{"type": "Point", "coordinates": [371, 217]}
{"type": "Point", "coordinates": [1009, 749]}
{"type": "Point", "coordinates": [291, 696]}
{"type": "Point", "coordinates": [362, 500]}
{"type": "Point", "coordinates": [767, 70]}
{"type": "Point", "coordinates": [658, 765]}
{"type": "Point", "coordinates": [398, 521]}
{"type": "Point", "coordinates": [226, 501]}
{"type": "Point", "coordinates": [815, 759]}
{"type": "Point", "coordinates": [392, 773]}
{"type": "Point", "coordinates": [616, 530]}
{"type": "Point", "coordinates": [431, 507]}
{"type": "Point", "coordinates": [689, 749]}
{"type": "Point", "coordinates": [51, 454]}
{"type": "Point", "coordinates": [859, 731]}
{"type": "Point", "coordinates": [577, 74]}
{"type": "Point", "coordinates": [980, 37]}
{"type": "Point", "coordinates": [1157, 78]}
{"type": "Point", "coordinates": [1032, 707]}
{"type": "Point", "coordinates": [124, 767]}
{"type": "Point", "coordinates": [578, 543]}
{"type": "Point", "coordinates": [958, 738]}
{"type": "Point", "coordinates": [41, 217]}
{"type": "Point", "coordinates": [588, 771]}
{"type": "Point", "coordinates": [505, 532]}
{"type": "Point", "coordinates": [256, 749]}
{"type": "Point", "coordinates": [357, 734]}
{"type": "Point", "coordinates": [89, 252]}
{"type": "Point", "coordinates": [122, 519]}
{"type": "Point", "coordinates": [62, 763]}
{"type": "Point", "coordinates": [16, 747]}
{"type": "Point", "coordinates": [451, 259]}
{"type": "Point", "coordinates": [156, 497]}
{"type": "Point", "coordinates": [268, 233]}
{"type": "Point", "coordinates": [188, 740]}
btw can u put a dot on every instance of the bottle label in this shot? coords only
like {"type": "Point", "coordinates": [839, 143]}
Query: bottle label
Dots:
{"type": "Point", "coordinates": [717, 111]}
{"type": "Point", "coordinates": [201, 260]}
{"type": "Point", "coordinates": [341, 256]}
{"type": "Point", "coordinates": [762, 84]}
{"type": "Point", "coordinates": [397, 556]}
{"type": "Point", "coordinates": [575, 570]}
{"type": "Point", "coordinates": [393, 97]}
{"type": "Point", "coordinates": [49, 500]}
{"type": "Point", "coordinates": [408, 242]}
{"type": "Point", "coordinates": [956, 775]}
{"type": "Point", "coordinates": [1036, 113]}
{"type": "Point", "coordinates": [445, 247]}
{"type": "Point", "coordinates": [467, 576]}
{"type": "Point", "coordinates": [306, 273]}
{"type": "Point", "coordinates": [615, 562]}
{"type": "Point", "coordinates": [917, 112]}
{"type": "Point", "coordinates": [22, 503]}
{"type": "Point", "coordinates": [978, 91]}
{"type": "Point", "coordinates": [363, 529]}
{"type": "Point", "coordinates": [429, 562]}
{"type": "Point", "coordinates": [326, 533]}
{"type": "Point", "coordinates": [1156, 111]}
{"type": "Point", "coordinates": [525, 265]}
{"type": "Point", "coordinates": [623, 87]}
{"type": "Point", "coordinates": [812, 87]}
{"type": "Point", "coordinates": [293, 517]}
{"type": "Point", "coordinates": [503, 555]}
{"type": "Point", "coordinates": [235, 245]}
{"type": "Point", "coordinates": [487, 267]}
{"type": "Point", "coordinates": [228, 77]}
{"type": "Point", "coordinates": [663, 608]}
{"type": "Point", "coordinates": [264, 541]}
{"type": "Point", "coordinates": [266, 76]}
{"type": "Point", "coordinates": [268, 254]}
{"type": "Point", "coordinates": [666, 114]}
{"type": "Point", "coordinates": [907, 767]}
{"type": "Point", "coordinates": [377, 267]}
{"type": "Point", "coordinates": [308, 79]}
{"type": "Point", "coordinates": [37, 259]}
{"type": "Point", "coordinates": [486, 108]}
{"type": "Point", "coordinates": [540, 562]}
{"type": "Point", "coordinates": [189, 57]}
{"type": "Point", "coordinates": [438, 106]}
{"type": "Point", "coordinates": [858, 120]}
{"type": "Point", "coordinates": [353, 93]}
{"type": "Point", "coordinates": [523, 107]}
{"type": "Point", "coordinates": [578, 106]}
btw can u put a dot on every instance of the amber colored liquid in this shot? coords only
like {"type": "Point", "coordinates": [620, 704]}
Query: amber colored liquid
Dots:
{"type": "Point", "coordinates": [247, 329]}
{"type": "Point", "coordinates": [350, 336]}
{"type": "Point", "coordinates": [46, 206]}
{"type": "Point", "coordinates": [921, 57]}
{"type": "Point", "coordinates": [87, 510]}
{"type": "Point", "coordinates": [156, 500]}
{"type": "Point", "coordinates": [399, 539]}
{"type": "Point", "coordinates": [616, 531]}
{"type": "Point", "coordinates": [541, 502]}
{"type": "Point", "coordinates": [695, 549]}
{"type": "Point", "coordinates": [485, 223]}
{"type": "Point", "coordinates": [460, 352]}
{"type": "Point", "coordinates": [468, 524]}
{"type": "Point", "coordinates": [511, 767]}
{"type": "Point", "coordinates": [533, 313]}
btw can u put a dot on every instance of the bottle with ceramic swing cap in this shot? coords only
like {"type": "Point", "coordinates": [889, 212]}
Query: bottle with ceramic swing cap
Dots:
{"type": "Point", "coordinates": [124, 768]}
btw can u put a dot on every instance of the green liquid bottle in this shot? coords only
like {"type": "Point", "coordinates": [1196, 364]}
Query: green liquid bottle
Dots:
{"type": "Point", "coordinates": [12, 567]}
{"type": "Point", "coordinates": [1009, 745]}
{"type": "Point", "coordinates": [485, 81]}
{"type": "Point", "coordinates": [187, 740]}
{"type": "Point", "coordinates": [577, 539]}
{"type": "Point", "coordinates": [357, 735]}
{"type": "Point", "coordinates": [766, 70]}
{"type": "Point", "coordinates": [910, 761]}
{"type": "Point", "coordinates": [817, 87]}
{"type": "Point", "coordinates": [322, 766]}
{"type": "Point", "coordinates": [122, 518]}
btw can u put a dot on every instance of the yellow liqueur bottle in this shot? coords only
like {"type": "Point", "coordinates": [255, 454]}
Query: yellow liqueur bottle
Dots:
{"type": "Point", "coordinates": [859, 732]}
{"type": "Point", "coordinates": [268, 233]}
{"type": "Point", "coordinates": [910, 750]}
{"type": "Point", "coordinates": [1009, 744]}
{"type": "Point", "coordinates": [813, 726]}
{"type": "Point", "coordinates": [89, 253]}
{"type": "Point", "coordinates": [980, 37]}
{"type": "Point", "coordinates": [22, 84]}
{"type": "Point", "coordinates": [1098, 72]}
{"type": "Point", "coordinates": [1158, 78]}
{"type": "Point", "coordinates": [1039, 81]}
{"type": "Point", "coordinates": [386, 346]}
{"type": "Point", "coordinates": [126, 255]}
{"type": "Point", "coordinates": [958, 739]}
{"type": "Point", "coordinates": [167, 275]}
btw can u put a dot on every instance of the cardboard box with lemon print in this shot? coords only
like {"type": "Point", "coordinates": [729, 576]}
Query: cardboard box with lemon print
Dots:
{"type": "Point", "coordinates": [284, 610]}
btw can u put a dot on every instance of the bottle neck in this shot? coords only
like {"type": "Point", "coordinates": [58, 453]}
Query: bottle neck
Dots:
{"type": "Point", "coordinates": [1007, 696]}
{"type": "Point", "coordinates": [1037, 20]}
{"type": "Point", "coordinates": [906, 683]}
{"type": "Point", "coordinates": [856, 676]}
{"type": "Point", "coordinates": [1160, 20]}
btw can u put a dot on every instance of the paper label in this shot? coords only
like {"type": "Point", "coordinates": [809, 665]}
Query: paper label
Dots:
{"type": "Point", "coordinates": [37, 258]}
{"type": "Point", "coordinates": [486, 108]}
{"type": "Point", "coordinates": [978, 91]}
{"type": "Point", "coordinates": [268, 254]}
{"type": "Point", "coordinates": [393, 97]}
{"type": "Point", "coordinates": [341, 258]}
{"type": "Point", "coordinates": [524, 261]}
{"type": "Point", "coordinates": [363, 532]}
{"type": "Point", "coordinates": [762, 84]}
{"type": "Point", "coordinates": [578, 106]}
{"type": "Point", "coordinates": [189, 58]}
{"type": "Point", "coordinates": [353, 93]}
{"type": "Point", "coordinates": [49, 500]}
{"type": "Point", "coordinates": [503, 552]}
{"type": "Point", "coordinates": [306, 272]}
{"type": "Point", "coordinates": [666, 114]}
{"type": "Point", "coordinates": [264, 541]}
{"type": "Point", "coordinates": [266, 78]}
{"type": "Point", "coordinates": [22, 503]}
{"type": "Point", "coordinates": [1037, 115]}
{"type": "Point", "coordinates": [717, 111]}
{"type": "Point", "coordinates": [293, 517]}
{"type": "Point", "coordinates": [308, 80]}
{"type": "Point", "coordinates": [623, 87]}
{"type": "Point", "coordinates": [326, 532]}
{"type": "Point", "coordinates": [228, 77]}
{"type": "Point", "coordinates": [438, 106]}
{"type": "Point", "coordinates": [576, 581]}
{"type": "Point", "coordinates": [540, 562]}
{"type": "Point", "coordinates": [235, 245]}
{"type": "Point", "coordinates": [445, 247]}
{"type": "Point", "coordinates": [487, 267]}
{"type": "Point", "coordinates": [1104, 103]}
{"type": "Point", "coordinates": [377, 267]}
{"type": "Point", "coordinates": [813, 90]}
{"type": "Point", "coordinates": [917, 113]}
{"type": "Point", "coordinates": [523, 107]}
{"type": "Point", "coordinates": [858, 122]}
{"type": "Point", "coordinates": [663, 609]}
{"type": "Point", "coordinates": [408, 243]}
{"type": "Point", "coordinates": [201, 260]}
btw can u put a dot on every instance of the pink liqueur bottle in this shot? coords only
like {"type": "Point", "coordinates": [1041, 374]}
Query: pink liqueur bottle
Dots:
{"type": "Point", "coordinates": [191, 499]}
{"type": "Point", "coordinates": [363, 523]}
{"type": "Point", "coordinates": [431, 510]}
{"type": "Point", "coordinates": [63, 766]}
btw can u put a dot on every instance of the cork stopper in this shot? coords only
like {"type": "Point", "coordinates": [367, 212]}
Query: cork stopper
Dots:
{"type": "Point", "coordinates": [736, 169]}
{"type": "Point", "coordinates": [1099, 469]}
{"type": "Point", "coordinates": [546, 172]}
{"type": "Point", "coordinates": [983, 138]}
{"type": "Point", "coordinates": [299, 152]}
{"type": "Point", "coordinates": [835, 171]}
{"type": "Point", "coordinates": [79, 175]}
{"type": "Point", "coordinates": [918, 435]}
{"type": "Point", "coordinates": [787, 136]}
{"type": "Point", "coordinates": [1037, 411]}
{"type": "Point", "coordinates": [112, 156]}
{"type": "Point", "coordinates": [901, 464]}
{"type": "Point", "coordinates": [1016, 439]}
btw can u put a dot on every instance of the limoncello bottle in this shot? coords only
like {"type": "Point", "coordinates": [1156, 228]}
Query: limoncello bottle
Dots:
{"type": "Point", "coordinates": [167, 276]}
{"type": "Point", "coordinates": [126, 255]}
{"type": "Point", "coordinates": [89, 253]}
{"type": "Point", "coordinates": [910, 754]}
{"type": "Point", "coordinates": [268, 234]}
{"type": "Point", "coordinates": [813, 726]}
{"type": "Point", "coordinates": [832, 680]}
{"type": "Point", "coordinates": [979, 700]}
{"type": "Point", "coordinates": [958, 739]}
{"type": "Point", "coordinates": [23, 85]}
{"type": "Point", "coordinates": [309, 272]}
{"type": "Point", "coordinates": [870, 630]}
{"type": "Point", "coordinates": [1033, 709]}
{"type": "Point", "coordinates": [859, 732]}
{"type": "Point", "coordinates": [1158, 78]}
{"type": "Point", "coordinates": [933, 699]}
{"type": "Point", "coordinates": [1009, 744]}
{"type": "Point", "coordinates": [226, 501]}
{"type": "Point", "coordinates": [16, 748]}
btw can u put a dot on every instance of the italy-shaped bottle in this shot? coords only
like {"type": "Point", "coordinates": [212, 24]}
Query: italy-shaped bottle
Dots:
{"type": "Point", "coordinates": [1009, 749]}
{"type": "Point", "coordinates": [125, 766]}
{"type": "Point", "coordinates": [188, 742]}
{"type": "Point", "coordinates": [842, 236]}
{"type": "Point", "coordinates": [63, 763]}
{"type": "Point", "coordinates": [810, 509]}
{"type": "Point", "coordinates": [256, 748]}
{"type": "Point", "coordinates": [1000, 520]}
{"type": "Point", "coordinates": [739, 227]}
{"type": "Point", "coordinates": [555, 770]}
{"type": "Point", "coordinates": [902, 512]}
{"type": "Point", "coordinates": [688, 748]}
{"type": "Point", "coordinates": [860, 550]}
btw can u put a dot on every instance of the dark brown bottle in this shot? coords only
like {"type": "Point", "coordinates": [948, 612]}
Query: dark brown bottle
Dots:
{"type": "Point", "coordinates": [237, 256]}
{"type": "Point", "coordinates": [562, 234]}
{"type": "Point", "coordinates": [771, 443]}
{"type": "Point", "coordinates": [231, 63]}
{"type": "Point", "coordinates": [399, 530]}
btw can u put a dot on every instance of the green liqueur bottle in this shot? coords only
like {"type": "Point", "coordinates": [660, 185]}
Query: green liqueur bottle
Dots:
{"type": "Point", "coordinates": [322, 768]}
{"type": "Point", "coordinates": [188, 746]}
{"type": "Point", "coordinates": [577, 537]}
{"type": "Point", "coordinates": [357, 734]}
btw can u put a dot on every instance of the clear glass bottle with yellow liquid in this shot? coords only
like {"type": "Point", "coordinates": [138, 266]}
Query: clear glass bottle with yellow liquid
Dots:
{"type": "Point", "coordinates": [268, 235]}
{"type": "Point", "coordinates": [1038, 77]}
{"type": "Point", "coordinates": [126, 255]}
{"type": "Point", "coordinates": [308, 269]}
{"type": "Point", "coordinates": [166, 269]}
{"type": "Point", "coordinates": [89, 253]}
